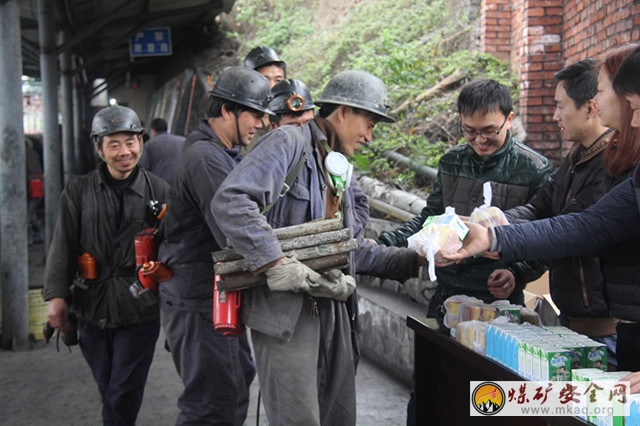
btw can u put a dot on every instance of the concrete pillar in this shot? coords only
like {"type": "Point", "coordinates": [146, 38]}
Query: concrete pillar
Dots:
{"type": "Point", "coordinates": [69, 165]}
{"type": "Point", "coordinates": [51, 131]}
{"type": "Point", "coordinates": [77, 129]}
{"type": "Point", "coordinates": [81, 133]}
{"type": "Point", "coordinates": [14, 274]}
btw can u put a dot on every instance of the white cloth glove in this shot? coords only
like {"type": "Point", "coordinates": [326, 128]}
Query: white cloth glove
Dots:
{"type": "Point", "coordinates": [292, 275]}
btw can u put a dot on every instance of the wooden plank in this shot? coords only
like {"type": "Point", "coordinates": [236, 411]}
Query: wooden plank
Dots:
{"type": "Point", "coordinates": [295, 243]}
{"type": "Point", "coordinates": [313, 227]}
{"type": "Point", "coordinates": [302, 254]}
{"type": "Point", "coordinates": [243, 280]}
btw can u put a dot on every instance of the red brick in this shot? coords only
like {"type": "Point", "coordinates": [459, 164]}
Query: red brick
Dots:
{"type": "Point", "coordinates": [556, 47]}
{"type": "Point", "coordinates": [552, 65]}
{"type": "Point", "coordinates": [530, 102]}
{"type": "Point", "coordinates": [550, 11]}
{"type": "Point", "coordinates": [535, 11]}
{"type": "Point", "coordinates": [534, 128]}
{"type": "Point", "coordinates": [545, 21]}
{"type": "Point", "coordinates": [533, 66]}
{"type": "Point", "coordinates": [540, 111]}
{"type": "Point", "coordinates": [587, 29]}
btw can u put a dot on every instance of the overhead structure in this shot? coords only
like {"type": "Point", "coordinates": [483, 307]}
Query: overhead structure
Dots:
{"type": "Point", "coordinates": [98, 34]}
{"type": "Point", "coordinates": [69, 45]}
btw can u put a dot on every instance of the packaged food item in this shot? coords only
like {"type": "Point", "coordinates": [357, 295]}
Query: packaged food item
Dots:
{"type": "Point", "coordinates": [452, 306]}
{"type": "Point", "coordinates": [595, 355]}
{"type": "Point", "coordinates": [476, 311]}
{"type": "Point", "coordinates": [488, 215]}
{"type": "Point", "coordinates": [555, 363]}
{"type": "Point", "coordinates": [461, 308]}
{"type": "Point", "coordinates": [513, 312]}
{"type": "Point", "coordinates": [472, 334]}
{"type": "Point", "coordinates": [439, 234]}
{"type": "Point", "coordinates": [577, 353]}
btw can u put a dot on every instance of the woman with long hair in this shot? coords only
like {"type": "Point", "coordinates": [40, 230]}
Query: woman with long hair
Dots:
{"type": "Point", "coordinates": [623, 152]}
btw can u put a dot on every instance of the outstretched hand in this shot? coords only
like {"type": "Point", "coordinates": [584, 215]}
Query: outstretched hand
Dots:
{"type": "Point", "coordinates": [478, 240]}
{"type": "Point", "coordinates": [634, 379]}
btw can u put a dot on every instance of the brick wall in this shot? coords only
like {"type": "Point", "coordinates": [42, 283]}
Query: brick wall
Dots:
{"type": "Point", "coordinates": [545, 36]}
{"type": "Point", "coordinates": [495, 34]}
{"type": "Point", "coordinates": [594, 27]}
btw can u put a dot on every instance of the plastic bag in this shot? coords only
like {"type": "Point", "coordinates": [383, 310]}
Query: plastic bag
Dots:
{"type": "Point", "coordinates": [439, 234]}
{"type": "Point", "coordinates": [460, 308]}
{"type": "Point", "coordinates": [452, 308]}
{"type": "Point", "coordinates": [473, 335]}
{"type": "Point", "coordinates": [488, 215]}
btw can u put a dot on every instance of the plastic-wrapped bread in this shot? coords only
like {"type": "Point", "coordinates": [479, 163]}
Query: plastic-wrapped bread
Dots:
{"type": "Point", "coordinates": [452, 307]}
{"type": "Point", "coordinates": [488, 215]}
{"type": "Point", "coordinates": [473, 335]}
{"type": "Point", "coordinates": [476, 310]}
{"type": "Point", "coordinates": [442, 234]}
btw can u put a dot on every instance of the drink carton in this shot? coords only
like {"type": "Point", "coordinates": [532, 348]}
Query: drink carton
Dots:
{"type": "Point", "coordinates": [555, 363]}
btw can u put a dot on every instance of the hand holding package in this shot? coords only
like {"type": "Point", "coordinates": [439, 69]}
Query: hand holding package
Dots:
{"type": "Point", "coordinates": [486, 214]}
{"type": "Point", "coordinates": [441, 234]}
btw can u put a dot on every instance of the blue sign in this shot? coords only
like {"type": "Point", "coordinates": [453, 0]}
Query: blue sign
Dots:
{"type": "Point", "coordinates": [151, 42]}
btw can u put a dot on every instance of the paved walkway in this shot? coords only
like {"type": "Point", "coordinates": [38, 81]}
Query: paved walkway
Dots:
{"type": "Point", "coordinates": [44, 387]}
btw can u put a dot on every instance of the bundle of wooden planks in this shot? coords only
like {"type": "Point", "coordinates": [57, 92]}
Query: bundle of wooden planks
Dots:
{"type": "Point", "coordinates": [321, 245]}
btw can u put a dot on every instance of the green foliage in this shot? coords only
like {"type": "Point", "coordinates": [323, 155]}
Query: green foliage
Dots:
{"type": "Point", "coordinates": [276, 26]}
{"type": "Point", "coordinates": [410, 44]}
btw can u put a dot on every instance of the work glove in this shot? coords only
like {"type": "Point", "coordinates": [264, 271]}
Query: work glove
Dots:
{"type": "Point", "coordinates": [334, 284]}
{"type": "Point", "coordinates": [292, 275]}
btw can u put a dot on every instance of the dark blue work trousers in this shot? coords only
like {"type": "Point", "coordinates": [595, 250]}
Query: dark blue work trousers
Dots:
{"type": "Point", "coordinates": [119, 359]}
{"type": "Point", "coordinates": [216, 370]}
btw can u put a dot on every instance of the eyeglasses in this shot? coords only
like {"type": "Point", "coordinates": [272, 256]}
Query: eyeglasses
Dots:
{"type": "Point", "coordinates": [489, 134]}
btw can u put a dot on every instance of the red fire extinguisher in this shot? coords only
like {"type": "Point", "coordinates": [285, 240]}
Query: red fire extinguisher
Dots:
{"type": "Point", "coordinates": [226, 305]}
{"type": "Point", "coordinates": [145, 248]}
{"type": "Point", "coordinates": [149, 271]}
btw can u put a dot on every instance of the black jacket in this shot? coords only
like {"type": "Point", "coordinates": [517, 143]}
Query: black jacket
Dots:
{"type": "Point", "coordinates": [516, 172]}
{"type": "Point", "coordinates": [609, 228]}
{"type": "Point", "coordinates": [92, 220]}
{"type": "Point", "coordinates": [576, 283]}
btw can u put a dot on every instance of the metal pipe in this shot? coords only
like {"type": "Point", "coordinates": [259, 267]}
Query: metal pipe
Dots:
{"type": "Point", "coordinates": [426, 171]}
{"type": "Point", "coordinates": [14, 252]}
{"type": "Point", "coordinates": [50, 132]}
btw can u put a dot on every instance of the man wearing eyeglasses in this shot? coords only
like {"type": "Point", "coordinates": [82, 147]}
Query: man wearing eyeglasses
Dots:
{"type": "Point", "coordinates": [491, 154]}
